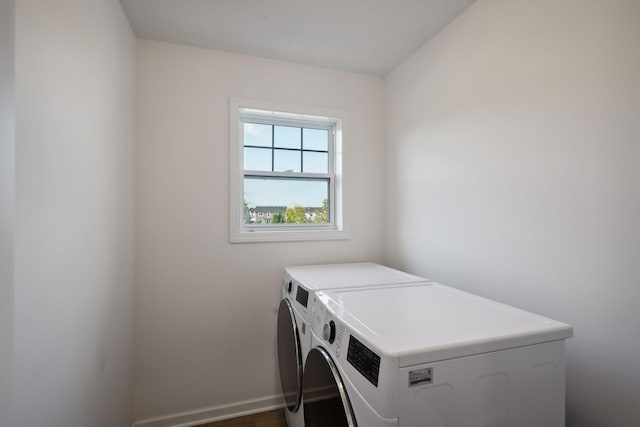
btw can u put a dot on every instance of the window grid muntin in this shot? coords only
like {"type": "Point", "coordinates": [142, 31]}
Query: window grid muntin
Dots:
{"type": "Point", "coordinates": [301, 150]}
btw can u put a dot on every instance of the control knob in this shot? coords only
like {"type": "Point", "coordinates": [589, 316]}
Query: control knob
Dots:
{"type": "Point", "coordinates": [329, 331]}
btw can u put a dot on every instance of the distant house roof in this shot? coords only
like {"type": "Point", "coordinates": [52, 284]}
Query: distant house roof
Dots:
{"type": "Point", "coordinates": [270, 209]}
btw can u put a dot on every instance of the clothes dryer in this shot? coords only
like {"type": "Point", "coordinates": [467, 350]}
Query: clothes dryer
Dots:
{"type": "Point", "coordinates": [431, 355]}
{"type": "Point", "coordinates": [294, 316]}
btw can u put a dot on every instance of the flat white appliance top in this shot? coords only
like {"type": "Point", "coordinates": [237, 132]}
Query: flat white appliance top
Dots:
{"type": "Point", "coordinates": [423, 323]}
{"type": "Point", "coordinates": [333, 276]}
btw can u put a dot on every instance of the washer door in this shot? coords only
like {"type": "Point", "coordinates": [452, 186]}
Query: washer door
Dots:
{"type": "Point", "coordinates": [289, 356]}
{"type": "Point", "coordinates": [325, 397]}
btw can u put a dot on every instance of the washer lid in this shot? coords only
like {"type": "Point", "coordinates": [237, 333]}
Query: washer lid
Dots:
{"type": "Point", "coordinates": [333, 276]}
{"type": "Point", "coordinates": [425, 323]}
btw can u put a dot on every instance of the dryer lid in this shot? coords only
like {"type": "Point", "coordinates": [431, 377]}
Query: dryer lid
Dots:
{"type": "Point", "coordinates": [333, 276]}
{"type": "Point", "coordinates": [425, 323]}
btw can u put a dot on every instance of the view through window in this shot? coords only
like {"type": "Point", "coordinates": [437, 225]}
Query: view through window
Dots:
{"type": "Point", "coordinates": [288, 173]}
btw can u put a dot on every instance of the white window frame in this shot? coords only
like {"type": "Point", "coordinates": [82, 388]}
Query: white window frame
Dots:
{"type": "Point", "coordinates": [255, 111]}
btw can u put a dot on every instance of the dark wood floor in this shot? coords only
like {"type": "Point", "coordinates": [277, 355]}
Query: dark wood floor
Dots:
{"type": "Point", "coordinates": [264, 419]}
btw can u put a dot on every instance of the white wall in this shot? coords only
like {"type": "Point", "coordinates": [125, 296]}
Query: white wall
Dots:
{"type": "Point", "coordinates": [513, 173]}
{"type": "Point", "coordinates": [206, 309]}
{"type": "Point", "coordinates": [7, 208]}
{"type": "Point", "coordinates": [75, 93]}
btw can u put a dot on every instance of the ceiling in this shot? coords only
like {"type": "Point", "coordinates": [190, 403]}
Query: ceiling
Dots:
{"type": "Point", "coordinates": [369, 36]}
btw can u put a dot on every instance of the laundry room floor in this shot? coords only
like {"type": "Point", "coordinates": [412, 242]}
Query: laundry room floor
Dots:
{"type": "Point", "coordinates": [264, 419]}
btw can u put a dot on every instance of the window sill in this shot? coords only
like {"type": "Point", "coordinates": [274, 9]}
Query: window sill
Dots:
{"type": "Point", "coordinates": [258, 236]}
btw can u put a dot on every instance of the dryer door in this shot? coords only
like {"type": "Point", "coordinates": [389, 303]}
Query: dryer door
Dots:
{"type": "Point", "coordinates": [325, 397]}
{"type": "Point", "coordinates": [289, 356]}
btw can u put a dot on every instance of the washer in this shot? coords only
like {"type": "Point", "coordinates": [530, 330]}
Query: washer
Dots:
{"type": "Point", "coordinates": [431, 355]}
{"type": "Point", "coordinates": [294, 316]}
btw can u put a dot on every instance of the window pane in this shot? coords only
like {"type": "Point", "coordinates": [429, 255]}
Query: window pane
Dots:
{"type": "Point", "coordinates": [293, 200]}
{"type": "Point", "coordinates": [286, 160]}
{"type": "Point", "coordinates": [257, 134]}
{"type": "Point", "coordinates": [316, 139]}
{"type": "Point", "coordinates": [257, 159]}
{"type": "Point", "coordinates": [315, 162]}
{"type": "Point", "coordinates": [287, 137]}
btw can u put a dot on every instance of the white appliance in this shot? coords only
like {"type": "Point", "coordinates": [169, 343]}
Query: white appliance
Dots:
{"type": "Point", "coordinates": [294, 316]}
{"type": "Point", "coordinates": [431, 355]}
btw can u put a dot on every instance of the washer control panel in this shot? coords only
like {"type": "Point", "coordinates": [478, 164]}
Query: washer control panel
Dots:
{"type": "Point", "coordinates": [328, 328]}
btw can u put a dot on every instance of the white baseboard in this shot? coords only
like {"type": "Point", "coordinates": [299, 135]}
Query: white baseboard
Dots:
{"type": "Point", "coordinates": [214, 413]}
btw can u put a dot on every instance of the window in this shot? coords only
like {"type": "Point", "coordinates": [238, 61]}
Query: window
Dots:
{"type": "Point", "coordinates": [287, 178]}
